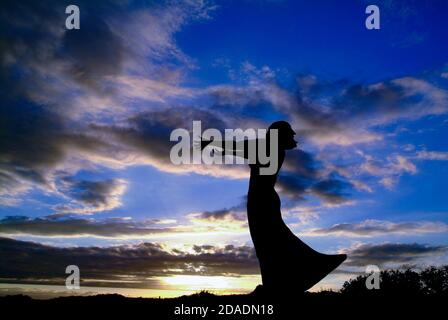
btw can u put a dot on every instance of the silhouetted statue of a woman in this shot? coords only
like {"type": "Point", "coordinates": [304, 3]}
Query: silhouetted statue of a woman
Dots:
{"type": "Point", "coordinates": [287, 264]}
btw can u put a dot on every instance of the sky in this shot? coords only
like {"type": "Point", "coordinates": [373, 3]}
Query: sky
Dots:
{"type": "Point", "coordinates": [86, 117]}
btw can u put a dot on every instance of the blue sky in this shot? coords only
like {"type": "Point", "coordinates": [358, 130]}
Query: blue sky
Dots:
{"type": "Point", "coordinates": [86, 116]}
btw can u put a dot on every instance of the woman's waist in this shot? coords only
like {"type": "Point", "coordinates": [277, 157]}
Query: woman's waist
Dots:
{"type": "Point", "coordinates": [261, 193]}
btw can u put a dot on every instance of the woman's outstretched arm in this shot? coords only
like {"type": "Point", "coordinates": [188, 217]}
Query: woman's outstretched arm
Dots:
{"type": "Point", "coordinates": [239, 148]}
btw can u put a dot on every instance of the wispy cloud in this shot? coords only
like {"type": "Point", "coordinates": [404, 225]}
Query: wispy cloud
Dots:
{"type": "Point", "coordinates": [388, 170]}
{"type": "Point", "coordinates": [432, 155]}
{"type": "Point", "coordinates": [82, 227]}
{"type": "Point", "coordinates": [372, 228]}
{"type": "Point", "coordinates": [108, 102]}
{"type": "Point", "coordinates": [393, 254]}
{"type": "Point", "coordinates": [73, 226]}
{"type": "Point", "coordinates": [340, 113]}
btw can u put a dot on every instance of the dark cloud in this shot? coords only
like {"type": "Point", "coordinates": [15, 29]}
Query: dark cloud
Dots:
{"type": "Point", "coordinates": [47, 71]}
{"type": "Point", "coordinates": [378, 228]}
{"type": "Point", "coordinates": [328, 190]}
{"type": "Point", "coordinates": [22, 141]}
{"type": "Point", "coordinates": [91, 192]}
{"type": "Point", "coordinates": [34, 141]}
{"type": "Point", "coordinates": [389, 101]}
{"type": "Point", "coordinates": [392, 253]}
{"type": "Point", "coordinates": [303, 171]}
{"type": "Point", "coordinates": [76, 227]}
{"type": "Point", "coordinates": [140, 262]}
{"type": "Point", "coordinates": [294, 185]}
{"type": "Point", "coordinates": [40, 64]}
{"type": "Point", "coordinates": [68, 224]}
{"type": "Point", "coordinates": [332, 190]}
{"type": "Point", "coordinates": [94, 50]}
{"type": "Point", "coordinates": [92, 195]}
{"type": "Point", "coordinates": [339, 112]}
{"type": "Point", "coordinates": [34, 38]}
{"type": "Point", "coordinates": [359, 107]}
{"type": "Point", "coordinates": [149, 133]}
{"type": "Point", "coordinates": [336, 113]}
{"type": "Point", "coordinates": [306, 176]}
{"type": "Point", "coordinates": [302, 162]}
{"type": "Point", "coordinates": [236, 213]}
{"type": "Point", "coordinates": [51, 78]}
{"type": "Point", "coordinates": [220, 215]}
{"type": "Point", "coordinates": [28, 31]}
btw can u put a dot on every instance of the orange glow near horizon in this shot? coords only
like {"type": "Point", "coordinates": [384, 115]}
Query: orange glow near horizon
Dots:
{"type": "Point", "coordinates": [172, 286]}
{"type": "Point", "coordinates": [214, 284]}
{"type": "Point", "coordinates": [168, 287]}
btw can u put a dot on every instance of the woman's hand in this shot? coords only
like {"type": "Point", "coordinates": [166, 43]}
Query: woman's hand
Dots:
{"type": "Point", "coordinates": [202, 143]}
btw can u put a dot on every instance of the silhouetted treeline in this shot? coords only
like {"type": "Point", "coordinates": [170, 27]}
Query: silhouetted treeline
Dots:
{"type": "Point", "coordinates": [402, 294]}
{"type": "Point", "coordinates": [429, 281]}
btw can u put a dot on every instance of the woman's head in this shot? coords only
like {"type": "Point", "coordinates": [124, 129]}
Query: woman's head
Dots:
{"type": "Point", "coordinates": [285, 135]}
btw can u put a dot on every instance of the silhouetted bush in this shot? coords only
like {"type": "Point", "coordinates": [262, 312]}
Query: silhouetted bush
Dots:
{"type": "Point", "coordinates": [408, 282]}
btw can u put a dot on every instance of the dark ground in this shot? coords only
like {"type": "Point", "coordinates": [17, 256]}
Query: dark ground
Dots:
{"type": "Point", "coordinates": [308, 306]}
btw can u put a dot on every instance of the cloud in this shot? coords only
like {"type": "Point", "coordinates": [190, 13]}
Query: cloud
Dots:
{"type": "Point", "coordinates": [140, 262]}
{"type": "Point", "coordinates": [432, 155]}
{"type": "Point", "coordinates": [232, 219]}
{"type": "Point", "coordinates": [404, 165]}
{"type": "Point", "coordinates": [150, 32]}
{"type": "Point", "coordinates": [372, 228]}
{"type": "Point", "coordinates": [339, 113]}
{"type": "Point", "coordinates": [91, 196]}
{"type": "Point", "coordinates": [140, 265]}
{"type": "Point", "coordinates": [35, 141]}
{"type": "Point", "coordinates": [331, 189]}
{"type": "Point", "coordinates": [110, 101]}
{"type": "Point", "coordinates": [305, 175]}
{"type": "Point", "coordinates": [304, 214]}
{"type": "Point", "coordinates": [81, 78]}
{"type": "Point", "coordinates": [393, 253]}
{"type": "Point", "coordinates": [385, 102]}
{"type": "Point", "coordinates": [138, 87]}
{"type": "Point", "coordinates": [389, 169]}
{"type": "Point", "coordinates": [95, 52]}
{"type": "Point", "coordinates": [77, 227]}
{"type": "Point", "coordinates": [112, 41]}
{"type": "Point", "coordinates": [224, 214]}
{"type": "Point", "coordinates": [343, 114]}
{"type": "Point", "coordinates": [69, 224]}
{"type": "Point", "coordinates": [144, 138]}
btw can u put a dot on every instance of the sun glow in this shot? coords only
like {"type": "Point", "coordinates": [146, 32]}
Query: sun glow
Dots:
{"type": "Point", "coordinates": [204, 282]}
{"type": "Point", "coordinates": [217, 284]}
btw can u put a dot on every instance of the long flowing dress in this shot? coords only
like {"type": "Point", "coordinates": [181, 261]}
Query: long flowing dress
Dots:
{"type": "Point", "coordinates": [286, 262]}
